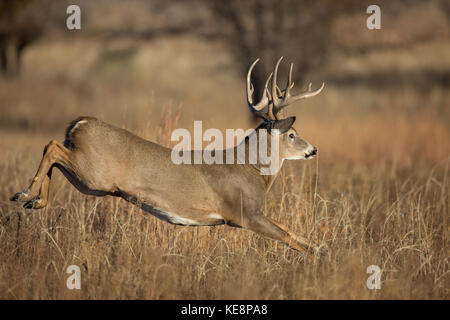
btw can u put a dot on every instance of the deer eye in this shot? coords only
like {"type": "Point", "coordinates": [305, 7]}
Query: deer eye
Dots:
{"type": "Point", "coordinates": [291, 135]}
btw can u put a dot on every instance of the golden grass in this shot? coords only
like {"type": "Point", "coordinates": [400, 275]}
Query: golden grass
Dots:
{"type": "Point", "coordinates": [377, 194]}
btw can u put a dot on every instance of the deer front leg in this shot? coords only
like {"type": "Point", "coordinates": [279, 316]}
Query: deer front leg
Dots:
{"type": "Point", "coordinates": [268, 228]}
{"type": "Point", "coordinates": [308, 245]}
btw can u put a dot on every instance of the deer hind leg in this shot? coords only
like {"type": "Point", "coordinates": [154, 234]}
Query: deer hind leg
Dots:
{"type": "Point", "coordinates": [36, 196]}
{"type": "Point", "coordinates": [42, 199]}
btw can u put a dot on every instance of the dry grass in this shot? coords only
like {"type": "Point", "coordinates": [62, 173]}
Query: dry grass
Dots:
{"type": "Point", "coordinates": [377, 194]}
{"type": "Point", "coordinates": [383, 200]}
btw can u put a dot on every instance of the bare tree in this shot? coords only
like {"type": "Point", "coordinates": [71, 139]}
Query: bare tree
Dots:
{"type": "Point", "coordinates": [296, 29]}
{"type": "Point", "coordinates": [445, 5]}
{"type": "Point", "coordinates": [18, 28]}
{"type": "Point", "coordinates": [22, 22]}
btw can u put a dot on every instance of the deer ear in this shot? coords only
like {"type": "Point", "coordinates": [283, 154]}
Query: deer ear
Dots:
{"type": "Point", "coordinates": [283, 125]}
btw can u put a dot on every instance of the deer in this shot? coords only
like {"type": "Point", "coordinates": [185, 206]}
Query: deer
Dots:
{"type": "Point", "coordinates": [100, 159]}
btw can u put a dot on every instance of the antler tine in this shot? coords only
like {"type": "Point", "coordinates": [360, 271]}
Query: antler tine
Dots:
{"type": "Point", "coordinates": [266, 88]}
{"type": "Point", "coordinates": [290, 84]}
{"type": "Point", "coordinates": [260, 109]}
{"type": "Point", "coordinates": [275, 89]}
{"type": "Point", "coordinates": [268, 98]}
{"type": "Point", "coordinates": [287, 91]}
{"type": "Point", "coordinates": [250, 88]}
{"type": "Point", "coordinates": [306, 94]}
{"type": "Point", "coordinates": [288, 99]}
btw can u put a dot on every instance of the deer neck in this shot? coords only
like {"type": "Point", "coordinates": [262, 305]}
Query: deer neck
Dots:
{"type": "Point", "coordinates": [259, 168]}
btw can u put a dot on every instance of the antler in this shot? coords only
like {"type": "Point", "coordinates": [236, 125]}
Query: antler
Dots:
{"type": "Point", "coordinates": [283, 98]}
{"type": "Point", "coordinates": [263, 108]}
{"type": "Point", "coordinates": [272, 102]}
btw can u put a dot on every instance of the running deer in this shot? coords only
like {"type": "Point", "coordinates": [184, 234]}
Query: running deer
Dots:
{"type": "Point", "coordinates": [100, 159]}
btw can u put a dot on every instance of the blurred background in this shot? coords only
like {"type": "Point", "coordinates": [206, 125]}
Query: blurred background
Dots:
{"type": "Point", "coordinates": [376, 194]}
{"type": "Point", "coordinates": [133, 60]}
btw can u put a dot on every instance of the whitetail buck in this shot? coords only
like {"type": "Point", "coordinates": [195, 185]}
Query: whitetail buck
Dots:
{"type": "Point", "coordinates": [100, 159]}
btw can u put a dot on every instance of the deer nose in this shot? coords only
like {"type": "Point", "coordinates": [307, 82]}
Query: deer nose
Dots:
{"type": "Point", "coordinates": [313, 152]}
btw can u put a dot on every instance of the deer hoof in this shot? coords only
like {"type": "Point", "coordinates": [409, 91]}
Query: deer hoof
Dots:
{"type": "Point", "coordinates": [20, 196]}
{"type": "Point", "coordinates": [33, 204]}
